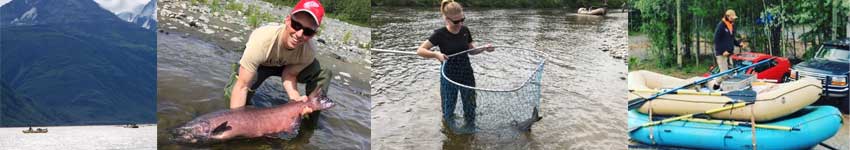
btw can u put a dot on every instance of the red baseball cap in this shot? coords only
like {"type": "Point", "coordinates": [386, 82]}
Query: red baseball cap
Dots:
{"type": "Point", "coordinates": [312, 7]}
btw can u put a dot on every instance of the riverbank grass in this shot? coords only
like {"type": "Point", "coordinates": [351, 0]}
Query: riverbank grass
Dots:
{"type": "Point", "coordinates": [356, 12]}
{"type": "Point", "coordinates": [255, 17]}
{"type": "Point", "coordinates": [686, 71]}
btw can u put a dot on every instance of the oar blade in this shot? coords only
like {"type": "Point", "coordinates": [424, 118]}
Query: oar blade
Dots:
{"type": "Point", "coordinates": [746, 95]}
{"type": "Point", "coordinates": [636, 103]}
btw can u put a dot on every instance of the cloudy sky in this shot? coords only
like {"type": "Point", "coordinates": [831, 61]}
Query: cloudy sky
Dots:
{"type": "Point", "coordinates": [116, 6]}
{"type": "Point", "coordinates": [119, 6]}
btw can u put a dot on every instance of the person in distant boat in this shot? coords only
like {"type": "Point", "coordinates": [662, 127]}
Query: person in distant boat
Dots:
{"type": "Point", "coordinates": [287, 51]}
{"type": "Point", "coordinates": [724, 40]}
{"type": "Point", "coordinates": [452, 39]}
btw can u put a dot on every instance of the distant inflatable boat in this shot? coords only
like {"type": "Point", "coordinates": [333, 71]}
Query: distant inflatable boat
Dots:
{"type": "Point", "coordinates": [39, 130]}
{"type": "Point", "coordinates": [131, 126]}
{"type": "Point", "coordinates": [597, 11]}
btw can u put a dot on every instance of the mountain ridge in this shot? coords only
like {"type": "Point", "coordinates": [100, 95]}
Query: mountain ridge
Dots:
{"type": "Point", "coordinates": [99, 69]}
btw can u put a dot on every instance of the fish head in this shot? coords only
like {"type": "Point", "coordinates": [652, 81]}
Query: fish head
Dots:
{"type": "Point", "coordinates": [325, 103]}
{"type": "Point", "coordinates": [319, 101]}
{"type": "Point", "coordinates": [193, 132]}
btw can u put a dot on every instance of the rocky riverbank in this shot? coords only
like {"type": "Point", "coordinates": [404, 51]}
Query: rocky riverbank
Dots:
{"type": "Point", "coordinates": [615, 43]}
{"type": "Point", "coordinates": [229, 23]}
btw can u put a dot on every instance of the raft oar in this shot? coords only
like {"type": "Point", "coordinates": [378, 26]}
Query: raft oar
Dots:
{"type": "Point", "coordinates": [827, 146]}
{"type": "Point", "coordinates": [733, 106]}
{"type": "Point", "coordinates": [638, 102]}
{"type": "Point", "coordinates": [743, 124]}
{"type": "Point", "coordinates": [684, 92]}
{"type": "Point", "coordinates": [746, 95]}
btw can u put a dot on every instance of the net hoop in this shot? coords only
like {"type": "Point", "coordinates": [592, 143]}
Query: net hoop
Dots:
{"type": "Point", "coordinates": [539, 69]}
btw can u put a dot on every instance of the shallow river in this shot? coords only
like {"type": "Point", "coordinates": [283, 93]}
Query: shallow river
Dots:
{"type": "Point", "coordinates": [191, 77]}
{"type": "Point", "coordinates": [583, 88]}
{"type": "Point", "coordinates": [80, 137]}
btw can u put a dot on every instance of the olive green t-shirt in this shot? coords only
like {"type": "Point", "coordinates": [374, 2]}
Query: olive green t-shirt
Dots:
{"type": "Point", "coordinates": [265, 49]}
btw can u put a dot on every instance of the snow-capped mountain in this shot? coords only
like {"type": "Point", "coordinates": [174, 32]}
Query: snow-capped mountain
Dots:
{"type": "Point", "coordinates": [37, 12]}
{"type": "Point", "coordinates": [142, 15]}
{"type": "Point", "coordinates": [120, 6]}
{"type": "Point", "coordinates": [32, 12]}
{"type": "Point", "coordinates": [3, 2]}
{"type": "Point", "coordinates": [72, 62]}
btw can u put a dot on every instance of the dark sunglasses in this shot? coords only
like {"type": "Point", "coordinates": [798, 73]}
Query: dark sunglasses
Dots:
{"type": "Point", "coordinates": [298, 26]}
{"type": "Point", "coordinates": [456, 21]}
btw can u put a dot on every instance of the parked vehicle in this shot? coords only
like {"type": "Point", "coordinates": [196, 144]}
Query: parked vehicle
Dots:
{"type": "Point", "coordinates": [777, 71]}
{"type": "Point", "coordinates": [830, 65]}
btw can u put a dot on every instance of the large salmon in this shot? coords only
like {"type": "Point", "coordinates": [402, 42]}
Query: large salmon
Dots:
{"type": "Point", "coordinates": [250, 122]}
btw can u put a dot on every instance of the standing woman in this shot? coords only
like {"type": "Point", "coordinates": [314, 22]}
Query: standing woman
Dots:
{"type": "Point", "coordinates": [452, 39]}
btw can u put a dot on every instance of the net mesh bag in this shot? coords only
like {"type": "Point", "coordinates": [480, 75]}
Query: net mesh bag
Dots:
{"type": "Point", "coordinates": [505, 86]}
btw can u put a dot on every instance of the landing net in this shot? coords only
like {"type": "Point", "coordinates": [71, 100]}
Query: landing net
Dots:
{"type": "Point", "coordinates": [506, 87]}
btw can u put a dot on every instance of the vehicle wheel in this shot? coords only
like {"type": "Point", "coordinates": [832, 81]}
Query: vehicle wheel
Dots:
{"type": "Point", "coordinates": [785, 78]}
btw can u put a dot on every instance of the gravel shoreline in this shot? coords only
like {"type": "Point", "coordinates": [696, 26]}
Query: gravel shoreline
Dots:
{"type": "Point", "coordinates": [229, 29]}
{"type": "Point", "coordinates": [616, 43]}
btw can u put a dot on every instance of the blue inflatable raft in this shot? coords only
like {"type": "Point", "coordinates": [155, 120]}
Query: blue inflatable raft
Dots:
{"type": "Point", "coordinates": [812, 125]}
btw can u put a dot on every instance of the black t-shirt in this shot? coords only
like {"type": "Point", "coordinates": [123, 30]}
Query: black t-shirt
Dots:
{"type": "Point", "coordinates": [458, 67]}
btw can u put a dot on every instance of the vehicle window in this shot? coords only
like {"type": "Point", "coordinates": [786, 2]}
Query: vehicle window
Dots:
{"type": "Point", "coordinates": [741, 63]}
{"type": "Point", "coordinates": [765, 66]}
{"type": "Point", "coordinates": [834, 54]}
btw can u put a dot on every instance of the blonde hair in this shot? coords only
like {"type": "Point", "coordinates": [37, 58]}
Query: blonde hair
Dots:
{"type": "Point", "coordinates": [450, 7]}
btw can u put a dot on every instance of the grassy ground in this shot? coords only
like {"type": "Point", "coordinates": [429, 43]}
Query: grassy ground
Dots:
{"type": "Point", "coordinates": [352, 12]}
{"type": "Point", "coordinates": [640, 59]}
{"type": "Point", "coordinates": [688, 70]}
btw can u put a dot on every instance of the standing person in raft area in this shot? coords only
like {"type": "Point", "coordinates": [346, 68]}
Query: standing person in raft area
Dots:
{"type": "Point", "coordinates": [287, 51]}
{"type": "Point", "coordinates": [452, 39]}
{"type": "Point", "coordinates": [724, 40]}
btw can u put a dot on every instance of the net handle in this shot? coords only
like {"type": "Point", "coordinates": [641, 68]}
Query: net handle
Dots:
{"type": "Point", "coordinates": [539, 68]}
{"type": "Point", "coordinates": [378, 50]}
{"type": "Point", "coordinates": [468, 50]}
{"type": "Point", "coordinates": [538, 53]}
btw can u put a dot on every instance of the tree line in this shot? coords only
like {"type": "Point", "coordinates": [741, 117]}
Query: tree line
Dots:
{"type": "Point", "coordinates": [353, 11]}
{"type": "Point", "coordinates": [677, 28]}
{"type": "Point", "coordinates": [507, 3]}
